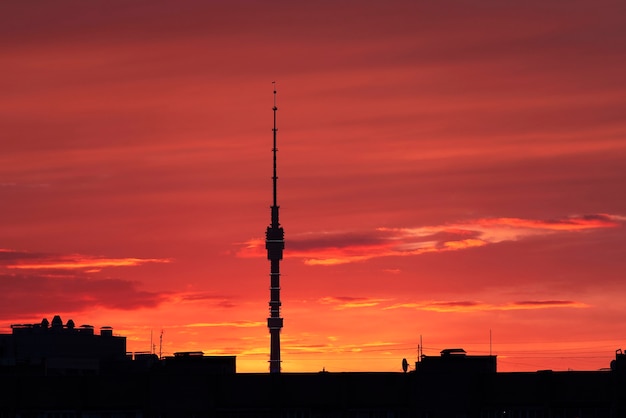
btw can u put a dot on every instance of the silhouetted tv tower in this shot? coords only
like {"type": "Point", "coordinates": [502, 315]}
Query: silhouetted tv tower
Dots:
{"type": "Point", "coordinates": [274, 243]}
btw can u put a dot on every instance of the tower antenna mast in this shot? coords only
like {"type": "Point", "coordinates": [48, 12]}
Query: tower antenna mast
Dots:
{"type": "Point", "coordinates": [274, 150]}
{"type": "Point", "coordinates": [274, 243]}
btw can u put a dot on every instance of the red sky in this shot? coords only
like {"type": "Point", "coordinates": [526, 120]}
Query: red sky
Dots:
{"type": "Point", "coordinates": [446, 169]}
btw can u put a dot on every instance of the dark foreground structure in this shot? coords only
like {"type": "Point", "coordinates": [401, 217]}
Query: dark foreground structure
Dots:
{"type": "Point", "coordinates": [170, 394]}
{"type": "Point", "coordinates": [60, 370]}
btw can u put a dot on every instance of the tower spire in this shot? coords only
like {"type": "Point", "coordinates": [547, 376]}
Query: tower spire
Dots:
{"type": "Point", "coordinates": [274, 149]}
{"type": "Point", "coordinates": [274, 243]}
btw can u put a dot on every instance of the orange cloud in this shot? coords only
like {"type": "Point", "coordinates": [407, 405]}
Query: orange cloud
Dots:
{"type": "Point", "coordinates": [346, 302]}
{"type": "Point", "coordinates": [235, 324]}
{"type": "Point", "coordinates": [335, 348]}
{"type": "Point", "coordinates": [90, 263]}
{"type": "Point", "coordinates": [37, 261]}
{"type": "Point", "coordinates": [473, 306]}
{"type": "Point", "coordinates": [349, 247]}
{"type": "Point", "coordinates": [572, 223]}
{"type": "Point", "coordinates": [462, 244]}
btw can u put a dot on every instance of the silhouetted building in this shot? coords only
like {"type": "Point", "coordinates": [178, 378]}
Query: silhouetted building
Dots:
{"type": "Point", "coordinates": [598, 394]}
{"type": "Point", "coordinates": [456, 360]}
{"type": "Point", "coordinates": [189, 384]}
{"type": "Point", "coordinates": [55, 348]}
{"type": "Point", "coordinates": [619, 364]}
{"type": "Point", "coordinates": [195, 362]}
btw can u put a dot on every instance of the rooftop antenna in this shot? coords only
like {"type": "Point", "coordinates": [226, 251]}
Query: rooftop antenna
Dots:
{"type": "Point", "coordinates": [420, 349]}
{"type": "Point", "coordinates": [161, 346]}
{"type": "Point", "coordinates": [274, 243]}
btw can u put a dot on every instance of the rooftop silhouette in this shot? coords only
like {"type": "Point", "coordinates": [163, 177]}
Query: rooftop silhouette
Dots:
{"type": "Point", "coordinates": [42, 363]}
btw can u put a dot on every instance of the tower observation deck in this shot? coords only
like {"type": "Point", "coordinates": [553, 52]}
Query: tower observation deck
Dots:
{"type": "Point", "coordinates": [274, 243]}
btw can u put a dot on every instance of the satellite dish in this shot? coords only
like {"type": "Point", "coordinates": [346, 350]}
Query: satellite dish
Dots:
{"type": "Point", "coordinates": [405, 365]}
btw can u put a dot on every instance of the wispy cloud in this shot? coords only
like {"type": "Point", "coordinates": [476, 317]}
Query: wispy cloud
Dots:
{"type": "Point", "coordinates": [330, 248]}
{"type": "Point", "coordinates": [222, 301]}
{"type": "Point", "coordinates": [334, 348]}
{"type": "Point", "coordinates": [473, 306]}
{"type": "Point", "coordinates": [234, 324]}
{"type": "Point", "coordinates": [347, 302]}
{"type": "Point", "coordinates": [40, 261]}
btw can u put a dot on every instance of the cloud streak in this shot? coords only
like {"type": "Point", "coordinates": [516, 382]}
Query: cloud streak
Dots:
{"type": "Point", "coordinates": [234, 324]}
{"type": "Point", "coordinates": [346, 302]}
{"type": "Point", "coordinates": [334, 348]}
{"type": "Point", "coordinates": [474, 306]}
{"type": "Point", "coordinates": [327, 248]}
{"type": "Point", "coordinates": [38, 261]}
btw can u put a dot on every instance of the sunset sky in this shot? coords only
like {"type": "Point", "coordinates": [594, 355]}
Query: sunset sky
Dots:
{"type": "Point", "coordinates": [447, 169]}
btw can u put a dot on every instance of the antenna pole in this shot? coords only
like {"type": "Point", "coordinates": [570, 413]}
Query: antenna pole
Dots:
{"type": "Point", "coordinates": [274, 243]}
{"type": "Point", "coordinates": [161, 346]}
{"type": "Point", "coordinates": [421, 350]}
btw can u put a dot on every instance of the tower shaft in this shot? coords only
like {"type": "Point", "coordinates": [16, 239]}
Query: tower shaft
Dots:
{"type": "Point", "coordinates": [274, 243]}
